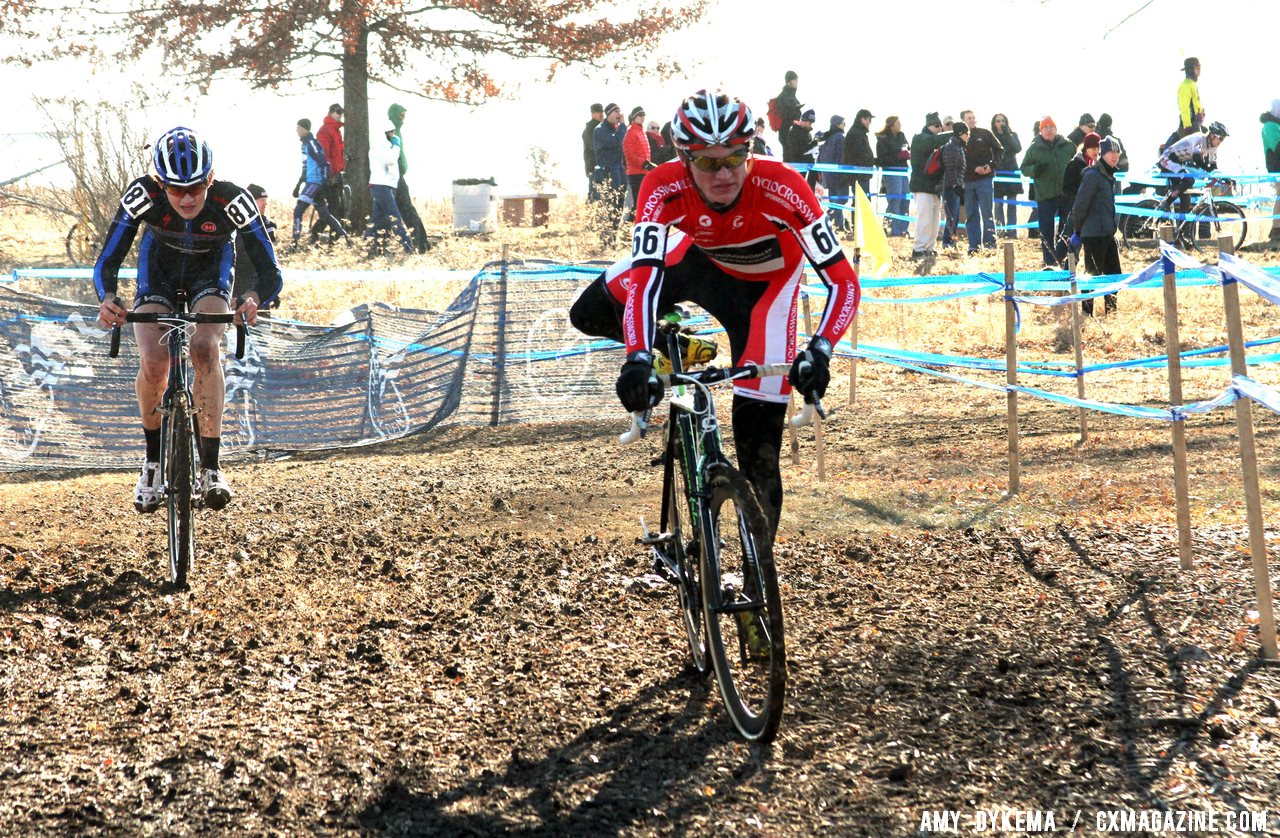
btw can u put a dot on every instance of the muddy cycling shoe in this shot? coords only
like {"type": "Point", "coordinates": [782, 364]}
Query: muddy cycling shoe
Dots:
{"type": "Point", "coordinates": [214, 489]}
{"type": "Point", "coordinates": [696, 351]}
{"type": "Point", "coordinates": [148, 494]}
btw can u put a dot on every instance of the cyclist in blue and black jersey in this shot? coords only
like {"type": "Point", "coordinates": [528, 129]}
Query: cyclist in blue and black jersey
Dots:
{"type": "Point", "coordinates": [190, 224]}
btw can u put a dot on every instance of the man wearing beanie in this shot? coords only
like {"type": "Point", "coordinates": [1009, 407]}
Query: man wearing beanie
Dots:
{"type": "Point", "coordinates": [1093, 216]}
{"type": "Point", "coordinates": [1271, 153]}
{"type": "Point", "coordinates": [953, 169]}
{"type": "Point", "coordinates": [1084, 125]}
{"type": "Point", "coordinates": [926, 203]}
{"type": "Point", "coordinates": [589, 149]}
{"type": "Point", "coordinates": [635, 155]}
{"type": "Point", "coordinates": [610, 172]}
{"type": "Point", "coordinates": [1074, 172]}
{"type": "Point", "coordinates": [315, 171]}
{"type": "Point", "coordinates": [837, 183]}
{"type": "Point", "coordinates": [1045, 163]}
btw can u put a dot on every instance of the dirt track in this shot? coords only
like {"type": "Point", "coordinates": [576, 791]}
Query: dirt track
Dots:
{"type": "Point", "coordinates": [448, 636]}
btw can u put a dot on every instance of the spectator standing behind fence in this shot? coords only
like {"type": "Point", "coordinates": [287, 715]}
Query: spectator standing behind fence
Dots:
{"type": "Point", "coordinates": [384, 178]}
{"type": "Point", "coordinates": [610, 173]}
{"type": "Point", "coordinates": [759, 147]}
{"type": "Point", "coordinates": [660, 151]}
{"type": "Point", "coordinates": [1093, 217]}
{"type": "Point", "coordinates": [310, 188]}
{"type": "Point", "coordinates": [837, 183]}
{"type": "Point", "coordinates": [1072, 175]}
{"type": "Point", "coordinates": [788, 105]}
{"type": "Point", "coordinates": [1033, 232]}
{"type": "Point", "coordinates": [858, 152]}
{"type": "Point", "coordinates": [981, 153]}
{"type": "Point", "coordinates": [797, 141]}
{"type": "Point", "coordinates": [404, 201]}
{"type": "Point", "coordinates": [926, 188]}
{"type": "Point", "coordinates": [635, 156]}
{"type": "Point", "coordinates": [892, 153]}
{"type": "Point", "coordinates": [246, 274]}
{"type": "Point", "coordinates": [1006, 194]}
{"type": "Point", "coordinates": [953, 170]}
{"type": "Point", "coordinates": [1271, 154]}
{"type": "Point", "coordinates": [335, 151]}
{"type": "Point", "coordinates": [1045, 163]}
{"type": "Point", "coordinates": [669, 144]}
{"type": "Point", "coordinates": [589, 149]}
{"type": "Point", "coordinates": [1190, 111]}
{"type": "Point", "coordinates": [1085, 125]}
{"type": "Point", "coordinates": [1104, 131]}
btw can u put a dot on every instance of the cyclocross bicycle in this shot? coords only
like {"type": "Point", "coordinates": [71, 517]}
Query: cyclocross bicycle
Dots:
{"type": "Point", "coordinates": [1209, 218]}
{"type": "Point", "coordinates": [713, 543]}
{"type": "Point", "coordinates": [178, 428]}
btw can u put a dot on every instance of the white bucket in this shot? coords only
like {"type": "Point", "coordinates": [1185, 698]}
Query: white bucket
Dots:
{"type": "Point", "coordinates": [475, 207]}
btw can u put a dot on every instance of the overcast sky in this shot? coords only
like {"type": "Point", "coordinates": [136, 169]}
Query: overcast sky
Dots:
{"type": "Point", "coordinates": [1025, 58]}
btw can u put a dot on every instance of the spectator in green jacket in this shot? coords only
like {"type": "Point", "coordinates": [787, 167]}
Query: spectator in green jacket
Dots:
{"type": "Point", "coordinates": [403, 201]}
{"type": "Point", "coordinates": [1045, 163]}
{"type": "Point", "coordinates": [1271, 152]}
{"type": "Point", "coordinates": [926, 189]}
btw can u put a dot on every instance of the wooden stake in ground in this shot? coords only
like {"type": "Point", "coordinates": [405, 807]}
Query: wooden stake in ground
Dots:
{"type": "Point", "coordinates": [1079, 347]}
{"type": "Point", "coordinates": [1011, 367]}
{"type": "Point", "coordinates": [1249, 464]}
{"type": "Point", "coordinates": [1173, 348]}
{"type": "Point", "coordinates": [817, 420]}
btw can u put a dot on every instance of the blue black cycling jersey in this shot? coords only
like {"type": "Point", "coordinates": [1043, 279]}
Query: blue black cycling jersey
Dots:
{"type": "Point", "coordinates": [192, 247]}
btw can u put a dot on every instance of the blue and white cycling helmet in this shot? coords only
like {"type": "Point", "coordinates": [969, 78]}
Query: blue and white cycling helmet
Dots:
{"type": "Point", "coordinates": [182, 158]}
{"type": "Point", "coordinates": [709, 119]}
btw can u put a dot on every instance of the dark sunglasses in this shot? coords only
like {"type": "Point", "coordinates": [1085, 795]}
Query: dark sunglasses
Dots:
{"type": "Point", "coordinates": [179, 191]}
{"type": "Point", "coordinates": [715, 164]}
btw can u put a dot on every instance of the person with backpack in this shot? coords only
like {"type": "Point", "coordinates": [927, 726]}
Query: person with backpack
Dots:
{"type": "Point", "coordinates": [926, 186]}
{"type": "Point", "coordinates": [785, 108]}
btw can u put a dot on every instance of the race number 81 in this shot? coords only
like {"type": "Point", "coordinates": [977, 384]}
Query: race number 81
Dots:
{"type": "Point", "coordinates": [647, 241]}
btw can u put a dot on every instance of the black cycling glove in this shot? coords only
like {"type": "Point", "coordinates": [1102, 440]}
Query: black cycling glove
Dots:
{"type": "Point", "coordinates": [638, 388]}
{"type": "Point", "coordinates": [811, 370]}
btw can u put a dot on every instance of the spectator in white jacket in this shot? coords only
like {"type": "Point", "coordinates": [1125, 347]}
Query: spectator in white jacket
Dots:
{"type": "Point", "coordinates": [384, 175]}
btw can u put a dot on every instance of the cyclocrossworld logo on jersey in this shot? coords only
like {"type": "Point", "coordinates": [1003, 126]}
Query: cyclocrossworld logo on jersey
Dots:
{"type": "Point", "coordinates": [1117, 821]}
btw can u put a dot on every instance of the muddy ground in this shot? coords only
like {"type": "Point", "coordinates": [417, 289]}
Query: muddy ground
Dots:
{"type": "Point", "coordinates": [451, 635]}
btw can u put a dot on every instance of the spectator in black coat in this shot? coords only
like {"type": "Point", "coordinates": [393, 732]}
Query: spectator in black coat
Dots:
{"type": "Point", "coordinates": [798, 142]}
{"type": "Point", "coordinates": [1093, 217]}
{"type": "Point", "coordinates": [953, 168]}
{"type": "Point", "coordinates": [788, 105]}
{"type": "Point", "coordinates": [857, 150]}
{"type": "Point", "coordinates": [589, 149]}
{"type": "Point", "coordinates": [1006, 167]}
{"type": "Point", "coordinates": [926, 188]}
{"type": "Point", "coordinates": [892, 155]}
{"type": "Point", "coordinates": [1087, 124]}
{"type": "Point", "coordinates": [837, 183]}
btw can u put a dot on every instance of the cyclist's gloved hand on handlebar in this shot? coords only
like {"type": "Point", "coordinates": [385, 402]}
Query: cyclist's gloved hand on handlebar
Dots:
{"type": "Point", "coordinates": [638, 387]}
{"type": "Point", "coordinates": [246, 309]}
{"type": "Point", "coordinates": [811, 370]}
{"type": "Point", "coordinates": [111, 312]}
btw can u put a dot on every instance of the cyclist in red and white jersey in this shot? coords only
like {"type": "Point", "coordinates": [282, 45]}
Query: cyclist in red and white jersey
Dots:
{"type": "Point", "coordinates": [743, 227]}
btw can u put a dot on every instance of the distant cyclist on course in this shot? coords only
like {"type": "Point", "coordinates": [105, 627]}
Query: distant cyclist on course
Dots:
{"type": "Point", "coordinates": [743, 228]}
{"type": "Point", "coordinates": [191, 221]}
{"type": "Point", "coordinates": [1193, 153]}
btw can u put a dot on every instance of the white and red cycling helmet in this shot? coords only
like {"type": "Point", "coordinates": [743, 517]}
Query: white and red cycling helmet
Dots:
{"type": "Point", "coordinates": [710, 119]}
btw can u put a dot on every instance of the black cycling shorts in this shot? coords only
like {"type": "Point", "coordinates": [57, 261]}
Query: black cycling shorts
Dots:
{"type": "Point", "coordinates": [163, 269]}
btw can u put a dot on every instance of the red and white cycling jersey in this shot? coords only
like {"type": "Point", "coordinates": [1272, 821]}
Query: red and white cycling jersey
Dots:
{"type": "Point", "coordinates": [764, 236]}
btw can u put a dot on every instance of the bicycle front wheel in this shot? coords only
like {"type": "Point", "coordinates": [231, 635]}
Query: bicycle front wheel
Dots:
{"type": "Point", "coordinates": [686, 558]}
{"type": "Point", "coordinates": [178, 447]}
{"type": "Point", "coordinates": [1229, 220]}
{"type": "Point", "coordinates": [742, 605]}
{"type": "Point", "coordinates": [1140, 229]}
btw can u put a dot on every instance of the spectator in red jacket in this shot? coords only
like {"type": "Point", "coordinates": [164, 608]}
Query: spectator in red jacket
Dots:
{"type": "Point", "coordinates": [635, 152]}
{"type": "Point", "coordinates": [330, 138]}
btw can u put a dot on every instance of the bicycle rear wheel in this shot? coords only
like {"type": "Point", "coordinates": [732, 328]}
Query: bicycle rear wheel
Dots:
{"type": "Point", "coordinates": [179, 451]}
{"type": "Point", "coordinates": [743, 607]}
{"type": "Point", "coordinates": [1140, 229]}
{"type": "Point", "coordinates": [686, 561]}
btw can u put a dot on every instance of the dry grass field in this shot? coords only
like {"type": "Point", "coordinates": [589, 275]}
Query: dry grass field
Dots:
{"type": "Point", "coordinates": [453, 633]}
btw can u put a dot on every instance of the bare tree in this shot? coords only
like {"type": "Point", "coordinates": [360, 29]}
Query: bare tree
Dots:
{"type": "Point", "coordinates": [443, 42]}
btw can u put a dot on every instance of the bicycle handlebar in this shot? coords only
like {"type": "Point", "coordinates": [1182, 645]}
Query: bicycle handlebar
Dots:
{"type": "Point", "coordinates": [714, 375]}
{"type": "Point", "coordinates": [183, 317]}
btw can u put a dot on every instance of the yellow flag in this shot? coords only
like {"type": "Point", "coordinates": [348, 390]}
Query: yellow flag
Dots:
{"type": "Point", "coordinates": [869, 236]}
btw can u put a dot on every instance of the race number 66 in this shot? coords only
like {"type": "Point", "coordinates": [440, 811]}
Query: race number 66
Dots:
{"type": "Point", "coordinates": [819, 240]}
{"type": "Point", "coordinates": [646, 241]}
